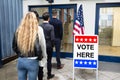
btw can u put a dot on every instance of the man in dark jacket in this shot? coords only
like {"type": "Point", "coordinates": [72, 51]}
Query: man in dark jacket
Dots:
{"type": "Point", "coordinates": [49, 37]}
{"type": "Point", "coordinates": [58, 29]}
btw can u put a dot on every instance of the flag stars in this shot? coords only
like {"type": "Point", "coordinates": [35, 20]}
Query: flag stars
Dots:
{"type": "Point", "coordinates": [90, 39]}
{"type": "Point", "coordinates": [94, 63]}
{"type": "Point", "coordinates": [90, 63]}
{"type": "Point", "coordinates": [94, 40]}
{"type": "Point", "coordinates": [81, 62]}
{"type": "Point", "coordinates": [77, 39]}
{"type": "Point", "coordinates": [86, 39]}
{"type": "Point", "coordinates": [76, 62]}
{"type": "Point", "coordinates": [85, 62]}
{"type": "Point", "coordinates": [81, 39]}
{"type": "Point", "coordinates": [79, 23]}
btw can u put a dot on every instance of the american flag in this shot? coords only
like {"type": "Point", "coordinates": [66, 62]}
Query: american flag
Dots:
{"type": "Point", "coordinates": [79, 23]}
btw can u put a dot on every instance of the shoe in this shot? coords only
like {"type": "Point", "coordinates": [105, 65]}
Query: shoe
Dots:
{"type": "Point", "coordinates": [51, 76]}
{"type": "Point", "coordinates": [60, 67]}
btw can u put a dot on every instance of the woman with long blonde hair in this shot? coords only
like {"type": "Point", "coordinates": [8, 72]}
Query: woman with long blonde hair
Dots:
{"type": "Point", "coordinates": [24, 44]}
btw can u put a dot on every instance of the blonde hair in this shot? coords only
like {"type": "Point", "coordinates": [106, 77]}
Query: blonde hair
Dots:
{"type": "Point", "coordinates": [26, 33]}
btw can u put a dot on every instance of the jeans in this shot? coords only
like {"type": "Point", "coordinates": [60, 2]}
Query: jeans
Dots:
{"type": "Point", "coordinates": [27, 68]}
{"type": "Point", "coordinates": [57, 48]}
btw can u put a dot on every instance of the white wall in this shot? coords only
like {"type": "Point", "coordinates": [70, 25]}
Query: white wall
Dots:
{"type": "Point", "coordinates": [89, 9]}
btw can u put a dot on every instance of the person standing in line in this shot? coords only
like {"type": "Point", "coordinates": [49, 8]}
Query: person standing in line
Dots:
{"type": "Point", "coordinates": [26, 39]}
{"type": "Point", "coordinates": [58, 29]}
{"type": "Point", "coordinates": [49, 37]}
{"type": "Point", "coordinates": [41, 63]}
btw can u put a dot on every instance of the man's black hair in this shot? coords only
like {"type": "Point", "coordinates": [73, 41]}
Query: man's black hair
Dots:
{"type": "Point", "coordinates": [45, 16]}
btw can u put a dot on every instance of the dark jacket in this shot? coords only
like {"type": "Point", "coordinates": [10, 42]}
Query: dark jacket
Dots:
{"type": "Point", "coordinates": [15, 46]}
{"type": "Point", "coordinates": [37, 49]}
{"type": "Point", "coordinates": [58, 28]}
{"type": "Point", "coordinates": [49, 34]}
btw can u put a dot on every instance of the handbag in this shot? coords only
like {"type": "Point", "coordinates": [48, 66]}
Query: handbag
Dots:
{"type": "Point", "coordinates": [37, 49]}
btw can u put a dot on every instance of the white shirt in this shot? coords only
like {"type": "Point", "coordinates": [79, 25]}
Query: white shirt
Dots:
{"type": "Point", "coordinates": [42, 42]}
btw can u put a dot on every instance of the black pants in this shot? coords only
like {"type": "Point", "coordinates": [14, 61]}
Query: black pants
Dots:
{"type": "Point", "coordinates": [40, 73]}
{"type": "Point", "coordinates": [57, 48]}
{"type": "Point", "coordinates": [49, 59]}
{"type": "Point", "coordinates": [49, 64]}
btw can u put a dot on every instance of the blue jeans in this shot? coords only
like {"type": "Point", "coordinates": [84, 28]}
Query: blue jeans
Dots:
{"type": "Point", "coordinates": [27, 68]}
{"type": "Point", "coordinates": [57, 48]}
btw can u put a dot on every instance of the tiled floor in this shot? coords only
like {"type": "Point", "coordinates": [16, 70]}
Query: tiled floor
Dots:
{"type": "Point", "coordinates": [107, 71]}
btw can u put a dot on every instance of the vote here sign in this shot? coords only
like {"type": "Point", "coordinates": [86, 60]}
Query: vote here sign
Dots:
{"type": "Point", "coordinates": [86, 52]}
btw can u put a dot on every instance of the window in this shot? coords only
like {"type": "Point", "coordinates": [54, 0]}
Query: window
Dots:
{"type": "Point", "coordinates": [108, 28]}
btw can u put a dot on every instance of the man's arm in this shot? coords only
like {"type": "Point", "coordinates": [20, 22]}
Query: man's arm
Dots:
{"type": "Point", "coordinates": [61, 30]}
{"type": "Point", "coordinates": [52, 35]}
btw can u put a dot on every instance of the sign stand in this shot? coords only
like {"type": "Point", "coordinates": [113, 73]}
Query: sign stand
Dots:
{"type": "Point", "coordinates": [96, 74]}
{"type": "Point", "coordinates": [85, 53]}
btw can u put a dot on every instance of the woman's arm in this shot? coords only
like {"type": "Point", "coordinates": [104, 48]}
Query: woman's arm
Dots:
{"type": "Point", "coordinates": [14, 44]}
{"type": "Point", "coordinates": [42, 41]}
